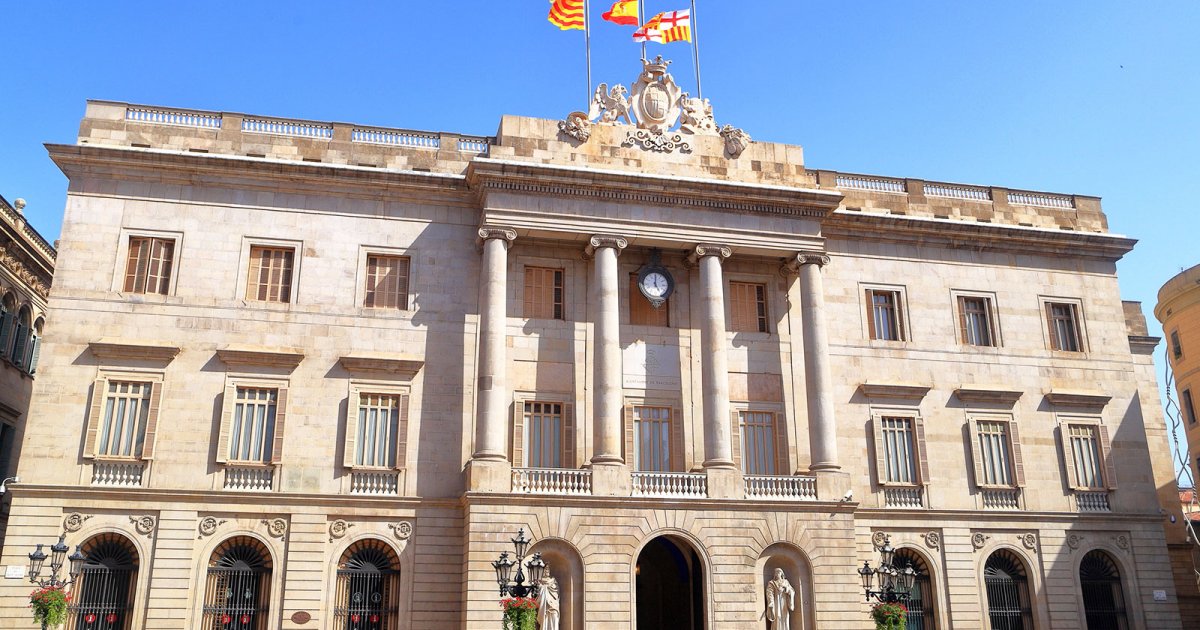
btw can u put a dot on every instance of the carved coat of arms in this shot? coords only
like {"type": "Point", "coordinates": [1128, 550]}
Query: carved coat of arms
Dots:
{"type": "Point", "coordinates": [656, 97]}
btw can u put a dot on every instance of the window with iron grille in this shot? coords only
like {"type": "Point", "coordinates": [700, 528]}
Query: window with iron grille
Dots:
{"type": "Point", "coordinates": [148, 269]}
{"type": "Point", "coordinates": [252, 430]}
{"type": "Point", "coordinates": [652, 441]}
{"type": "Point", "coordinates": [748, 306]}
{"type": "Point", "coordinates": [544, 428]}
{"type": "Point", "coordinates": [1176, 346]}
{"type": "Point", "coordinates": [270, 276]}
{"type": "Point", "coordinates": [1009, 606]}
{"type": "Point", "coordinates": [237, 593]}
{"type": "Point", "coordinates": [994, 452]}
{"type": "Point", "coordinates": [377, 430]}
{"type": "Point", "coordinates": [1062, 318]}
{"type": "Point", "coordinates": [543, 293]}
{"type": "Point", "coordinates": [1086, 461]}
{"type": "Point", "coordinates": [885, 316]}
{"type": "Point", "coordinates": [976, 327]}
{"type": "Point", "coordinates": [1103, 596]}
{"type": "Point", "coordinates": [122, 427]}
{"type": "Point", "coordinates": [921, 600]}
{"type": "Point", "coordinates": [758, 442]}
{"type": "Point", "coordinates": [367, 593]}
{"type": "Point", "coordinates": [1189, 408]}
{"type": "Point", "coordinates": [899, 452]}
{"type": "Point", "coordinates": [103, 593]}
{"type": "Point", "coordinates": [387, 282]}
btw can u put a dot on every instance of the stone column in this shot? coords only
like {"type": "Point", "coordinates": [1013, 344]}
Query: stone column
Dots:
{"type": "Point", "coordinates": [489, 468]}
{"type": "Point", "coordinates": [608, 390]}
{"type": "Point", "coordinates": [714, 373]}
{"type": "Point", "coordinates": [821, 423]}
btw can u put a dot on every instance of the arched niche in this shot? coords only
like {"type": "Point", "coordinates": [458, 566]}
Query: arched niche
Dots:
{"type": "Point", "coordinates": [566, 565]}
{"type": "Point", "coordinates": [798, 571]}
{"type": "Point", "coordinates": [923, 607]}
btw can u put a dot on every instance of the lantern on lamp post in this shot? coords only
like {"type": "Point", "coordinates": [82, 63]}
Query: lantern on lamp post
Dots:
{"type": "Point", "coordinates": [514, 585]}
{"type": "Point", "coordinates": [895, 583]}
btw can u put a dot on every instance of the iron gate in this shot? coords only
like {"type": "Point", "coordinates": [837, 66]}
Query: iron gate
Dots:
{"type": "Point", "coordinates": [1103, 600]}
{"type": "Point", "coordinates": [367, 588]}
{"type": "Point", "coordinates": [1007, 593]}
{"type": "Point", "coordinates": [237, 587]}
{"type": "Point", "coordinates": [103, 593]}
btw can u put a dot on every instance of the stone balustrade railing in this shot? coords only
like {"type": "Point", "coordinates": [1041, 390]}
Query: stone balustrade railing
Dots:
{"type": "Point", "coordinates": [396, 137]}
{"type": "Point", "coordinates": [17, 220]}
{"type": "Point", "coordinates": [250, 478]}
{"type": "Point", "coordinates": [781, 488]}
{"type": "Point", "coordinates": [118, 474]}
{"type": "Point", "coordinates": [957, 191]}
{"type": "Point", "coordinates": [375, 482]}
{"type": "Point", "coordinates": [1001, 498]}
{"type": "Point", "coordinates": [279, 127]}
{"type": "Point", "coordinates": [1093, 501]}
{"type": "Point", "coordinates": [551, 481]}
{"type": "Point", "coordinates": [178, 117]}
{"type": "Point", "coordinates": [1045, 200]}
{"type": "Point", "coordinates": [669, 484]}
{"type": "Point", "coordinates": [904, 497]}
{"type": "Point", "coordinates": [872, 184]}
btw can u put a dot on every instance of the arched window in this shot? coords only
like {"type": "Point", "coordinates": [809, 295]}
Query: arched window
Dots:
{"type": "Point", "coordinates": [35, 345]}
{"type": "Point", "coordinates": [20, 333]}
{"type": "Point", "coordinates": [368, 588]}
{"type": "Point", "coordinates": [237, 592]}
{"type": "Point", "coordinates": [1007, 592]}
{"type": "Point", "coordinates": [1103, 598]}
{"type": "Point", "coordinates": [922, 599]}
{"type": "Point", "coordinates": [8, 322]}
{"type": "Point", "coordinates": [104, 590]}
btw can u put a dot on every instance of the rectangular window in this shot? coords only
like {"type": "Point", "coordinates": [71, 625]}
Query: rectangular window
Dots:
{"type": "Point", "coordinates": [652, 438]}
{"type": "Point", "coordinates": [544, 426]}
{"type": "Point", "coordinates": [1086, 459]}
{"type": "Point", "coordinates": [899, 453]}
{"type": "Point", "coordinates": [993, 445]}
{"type": "Point", "coordinates": [252, 431]}
{"type": "Point", "coordinates": [8, 434]}
{"type": "Point", "coordinates": [387, 282]}
{"type": "Point", "coordinates": [148, 269]}
{"type": "Point", "coordinates": [377, 430]}
{"type": "Point", "coordinates": [1176, 347]}
{"type": "Point", "coordinates": [758, 442]}
{"type": "Point", "coordinates": [543, 293]}
{"type": "Point", "coordinates": [122, 428]}
{"type": "Point", "coordinates": [1063, 321]}
{"type": "Point", "coordinates": [885, 319]}
{"type": "Point", "coordinates": [270, 277]}
{"type": "Point", "coordinates": [1189, 409]}
{"type": "Point", "coordinates": [641, 312]}
{"type": "Point", "coordinates": [748, 306]}
{"type": "Point", "coordinates": [975, 321]}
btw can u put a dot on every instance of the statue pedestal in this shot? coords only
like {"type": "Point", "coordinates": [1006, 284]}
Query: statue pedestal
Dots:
{"type": "Point", "coordinates": [488, 475]}
{"type": "Point", "coordinates": [832, 485]}
{"type": "Point", "coordinates": [725, 483]}
{"type": "Point", "coordinates": [611, 480]}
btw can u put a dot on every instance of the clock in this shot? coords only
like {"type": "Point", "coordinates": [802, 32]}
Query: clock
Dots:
{"type": "Point", "coordinates": [655, 282]}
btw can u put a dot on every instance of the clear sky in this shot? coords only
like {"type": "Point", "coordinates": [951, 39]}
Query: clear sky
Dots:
{"type": "Point", "coordinates": [1097, 97]}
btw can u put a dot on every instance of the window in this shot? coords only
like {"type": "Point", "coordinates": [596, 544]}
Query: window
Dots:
{"type": "Point", "coordinates": [1189, 408]}
{"type": "Point", "coordinates": [367, 594]}
{"type": "Point", "coordinates": [543, 293]}
{"type": "Point", "coordinates": [975, 325]}
{"type": "Point", "coordinates": [239, 566]}
{"type": "Point", "coordinates": [653, 440]}
{"type": "Point", "coordinates": [387, 282]}
{"type": "Point", "coordinates": [8, 323]}
{"type": "Point", "coordinates": [760, 442]}
{"type": "Point", "coordinates": [103, 593]}
{"type": "Point", "coordinates": [1088, 464]}
{"type": "Point", "coordinates": [900, 451]}
{"type": "Point", "coordinates": [148, 269]}
{"type": "Point", "coordinates": [1176, 346]}
{"type": "Point", "coordinates": [545, 430]}
{"type": "Point", "coordinates": [922, 600]}
{"type": "Point", "coordinates": [1009, 606]}
{"type": "Point", "coordinates": [1103, 597]}
{"type": "Point", "coordinates": [641, 312]}
{"type": "Point", "coordinates": [885, 318]}
{"type": "Point", "coordinates": [996, 447]}
{"type": "Point", "coordinates": [377, 436]}
{"type": "Point", "coordinates": [270, 277]}
{"type": "Point", "coordinates": [123, 419]}
{"type": "Point", "coordinates": [748, 306]}
{"type": "Point", "coordinates": [8, 434]}
{"type": "Point", "coordinates": [251, 436]}
{"type": "Point", "coordinates": [1062, 318]}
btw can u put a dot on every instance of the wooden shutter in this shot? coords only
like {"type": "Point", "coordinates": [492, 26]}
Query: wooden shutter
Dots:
{"type": "Point", "coordinates": [517, 444]}
{"type": "Point", "coordinates": [350, 450]}
{"type": "Point", "coordinates": [280, 423]}
{"type": "Point", "coordinates": [735, 437]}
{"type": "Point", "coordinates": [962, 320]}
{"type": "Point", "coordinates": [782, 464]}
{"type": "Point", "coordinates": [227, 405]}
{"type": "Point", "coordinates": [568, 436]}
{"type": "Point", "coordinates": [99, 390]}
{"type": "Point", "coordinates": [36, 351]}
{"type": "Point", "coordinates": [677, 453]}
{"type": "Point", "coordinates": [629, 437]}
{"type": "Point", "coordinates": [402, 433]}
{"type": "Point", "coordinates": [976, 456]}
{"type": "Point", "coordinates": [1110, 462]}
{"type": "Point", "coordinates": [1068, 450]}
{"type": "Point", "coordinates": [6, 321]}
{"type": "Point", "coordinates": [871, 320]}
{"type": "Point", "coordinates": [922, 454]}
{"type": "Point", "coordinates": [1018, 461]}
{"type": "Point", "coordinates": [898, 312]}
{"type": "Point", "coordinates": [18, 353]}
{"type": "Point", "coordinates": [880, 459]}
{"type": "Point", "coordinates": [152, 420]}
{"type": "Point", "coordinates": [1055, 342]}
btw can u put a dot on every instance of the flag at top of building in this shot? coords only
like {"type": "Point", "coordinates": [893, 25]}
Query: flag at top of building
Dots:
{"type": "Point", "coordinates": [567, 14]}
{"type": "Point", "coordinates": [624, 12]}
{"type": "Point", "coordinates": [664, 28]}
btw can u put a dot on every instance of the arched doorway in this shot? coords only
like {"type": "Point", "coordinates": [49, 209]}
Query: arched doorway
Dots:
{"type": "Point", "coordinates": [368, 588]}
{"type": "Point", "coordinates": [922, 600]}
{"type": "Point", "coordinates": [104, 590]}
{"type": "Point", "coordinates": [237, 592]}
{"type": "Point", "coordinates": [1103, 597]}
{"type": "Point", "coordinates": [670, 586]}
{"type": "Point", "coordinates": [1007, 585]}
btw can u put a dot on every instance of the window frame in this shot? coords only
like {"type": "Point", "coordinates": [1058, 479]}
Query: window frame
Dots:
{"type": "Point", "coordinates": [525, 298]}
{"type": "Point", "coordinates": [1107, 464]}
{"type": "Point", "coordinates": [921, 473]}
{"type": "Point", "coordinates": [360, 290]}
{"type": "Point", "coordinates": [1016, 459]}
{"type": "Point", "coordinates": [229, 401]}
{"type": "Point", "coordinates": [358, 388]}
{"type": "Point", "coordinates": [122, 260]}
{"type": "Point", "coordinates": [867, 291]}
{"type": "Point", "coordinates": [519, 435]}
{"type": "Point", "coordinates": [1188, 404]}
{"type": "Point", "coordinates": [991, 312]}
{"type": "Point", "coordinates": [1176, 345]}
{"type": "Point", "coordinates": [765, 323]}
{"type": "Point", "coordinates": [678, 455]}
{"type": "Point", "coordinates": [248, 245]}
{"type": "Point", "coordinates": [1076, 305]}
{"type": "Point", "coordinates": [97, 404]}
{"type": "Point", "coordinates": [780, 450]}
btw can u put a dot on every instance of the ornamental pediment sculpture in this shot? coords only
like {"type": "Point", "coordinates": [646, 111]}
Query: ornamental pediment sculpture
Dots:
{"type": "Point", "coordinates": [655, 104]}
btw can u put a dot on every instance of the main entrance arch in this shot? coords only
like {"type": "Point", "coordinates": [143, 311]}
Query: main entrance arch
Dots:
{"type": "Point", "coordinates": [669, 588]}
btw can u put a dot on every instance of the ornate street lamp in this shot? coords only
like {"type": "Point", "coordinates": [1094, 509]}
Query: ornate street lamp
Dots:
{"type": "Point", "coordinates": [895, 584]}
{"type": "Point", "coordinates": [515, 585]}
{"type": "Point", "coordinates": [58, 554]}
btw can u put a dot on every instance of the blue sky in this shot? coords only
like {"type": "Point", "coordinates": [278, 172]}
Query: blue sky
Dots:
{"type": "Point", "coordinates": [1095, 97]}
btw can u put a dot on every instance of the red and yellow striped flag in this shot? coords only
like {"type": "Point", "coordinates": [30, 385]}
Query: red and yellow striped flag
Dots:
{"type": "Point", "coordinates": [566, 14]}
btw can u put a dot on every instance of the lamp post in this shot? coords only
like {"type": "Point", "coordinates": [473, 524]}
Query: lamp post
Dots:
{"type": "Point", "coordinates": [515, 585]}
{"type": "Point", "coordinates": [58, 553]}
{"type": "Point", "coordinates": [895, 584]}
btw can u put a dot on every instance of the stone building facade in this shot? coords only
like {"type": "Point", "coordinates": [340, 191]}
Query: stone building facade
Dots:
{"type": "Point", "coordinates": [360, 351]}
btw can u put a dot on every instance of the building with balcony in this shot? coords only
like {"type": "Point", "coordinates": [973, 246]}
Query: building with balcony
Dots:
{"type": "Point", "coordinates": [310, 373]}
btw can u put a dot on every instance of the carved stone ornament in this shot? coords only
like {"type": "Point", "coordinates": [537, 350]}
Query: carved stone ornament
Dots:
{"type": "Point", "coordinates": [276, 527]}
{"type": "Point", "coordinates": [608, 107]}
{"type": "Point", "coordinates": [1029, 540]}
{"type": "Point", "coordinates": [143, 524]}
{"type": "Point", "coordinates": [979, 539]}
{"type": "Point", "coordinates": [487, 233]}
{"type": "Point", "coordinates": [706, 249]}
{"type": "Point", "coordinates": [655, 141]}
{"type": "Point", "coordinates": [74, 521]}
{"type": "Point", "coordinates": [402, 530]}
{"type": "Point", "coordinates": [208, 526]}
{"type": "Point", "coordinates": [1122, 541]}
{"type": "Point", "coordinates": [736, 140]}
{"type": "Point", "coordinates": [697, 117]}
{"type": "Point", "coordinates": [338, 529]}
{"type": "Point", "coordinates": [792, 264]}
{"type": "Point", "coordinates": [1073, 540]}
{"type": "Point", "coordinates": [656, 97]}
{"type": "Point", "coordinates": [933, 540]}
{"type": "Point", "coordinates": [598, 241]}
{"type": "Point", "coordinates": [576, 126]}
{"type": "Point", "coordinates": [23, 273]}
{"type": "Point", "coordinates": [877, 539]}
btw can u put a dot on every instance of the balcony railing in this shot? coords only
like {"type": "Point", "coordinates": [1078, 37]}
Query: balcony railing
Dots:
{"type": "Point", "coordinates": [904, 497]}
{"type": "Point", "coordinates": [180, 118]}
{"type": "Point", "coordinates": [958, 191]}
{"type": "Point", "coordinates": [781, 488]}
{"type": "Point", "coordinates": [1001, 498]}
{"type": "Point", "coordinates": [872, 184]}
{"type": "Point", "coordinates": [118, 474]}
{"type": "Point", "coordinates": [250, 478]}
{"type": "Point", "coordinates": [1045, 200]}
{"type": "Point", "coordinates": [551, 481]}
{"type": "Point", "coordinates": [669, 484]}
{"type": "Point", "coordinates": [375, 482]}
{"type": "Point", "coordinates": [1093, 501]}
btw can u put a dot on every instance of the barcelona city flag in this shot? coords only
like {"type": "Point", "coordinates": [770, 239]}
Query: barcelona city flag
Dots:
{"type": "Point", "coordinates": [624, 12]}
{"type": "Point", "coordinates": [566, 14]}
{"type": "Point", "coordinates": [664, 28]}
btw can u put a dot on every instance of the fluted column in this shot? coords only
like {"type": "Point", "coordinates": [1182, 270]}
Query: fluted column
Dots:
{"type": "Point", "coordinates": [491, 410]}
{"type": "Point", "coordinates": [609, 395]}
{"type": "Point", "coordinates": [821, 423]}
{"type": "Point", "coordinates": [714, 373]}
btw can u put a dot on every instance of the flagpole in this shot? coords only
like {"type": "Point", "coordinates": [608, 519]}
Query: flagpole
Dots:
{"type": "Point", "coordinates": [695, 51]}
{"type": "Point", "coordinates": [587, 43]}
{"type": "Point", "coordinates": [642, 22]}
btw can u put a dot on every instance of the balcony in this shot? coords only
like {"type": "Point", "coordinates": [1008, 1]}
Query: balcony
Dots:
{"type": "Point", "coordinates": [375, 482]}
{"type": "Point", "coordinates": [1001, 498]}
{"type": "Point", "coordinates": [1092, 501]}
{"type": "Point", "coordinates": [121, 474]}
{"type": "Point", "coordinates": [904, 497]}
{"type": "Point", "coordinates": [551, 481]}
{"type": "Point", "coordinates": [250, 477]}
{"type": "Point", "coordinates": [781, 488]}
{"type": "Point", "coordinates": [670, 485]}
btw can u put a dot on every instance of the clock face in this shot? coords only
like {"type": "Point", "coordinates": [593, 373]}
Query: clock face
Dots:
{"type": "Point", "coordinates": [655, 284]}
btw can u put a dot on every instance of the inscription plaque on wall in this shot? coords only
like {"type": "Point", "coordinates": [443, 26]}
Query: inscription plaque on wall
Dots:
{"type": "Point", "coordinates": [650, 366]}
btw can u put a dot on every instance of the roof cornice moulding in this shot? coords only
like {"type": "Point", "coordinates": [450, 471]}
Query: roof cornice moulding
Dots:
{"type": "Point", "coordinates": [259, 357]}
{"type": "Point", "coordinates": [112, 349]}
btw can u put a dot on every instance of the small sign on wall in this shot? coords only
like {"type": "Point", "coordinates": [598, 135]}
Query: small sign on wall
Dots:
{"type": "Point", "coordinates": [1159, 596]}
{"type": "Point", "coordinates": [14, 571]}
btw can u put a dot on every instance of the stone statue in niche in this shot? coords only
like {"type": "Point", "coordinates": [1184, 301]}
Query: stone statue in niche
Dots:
{"type": "Point", "coordinates": [548, 613]}
{"type": "Point", "coordinates": [781, 601]}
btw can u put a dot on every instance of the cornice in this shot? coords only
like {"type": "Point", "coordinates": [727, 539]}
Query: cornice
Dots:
{"type": "Point", "coordinates": [21, 271]}
{"type": "Point", "coordinates": [382, 365]}
{"type": "Point", "coordinates": [254, 356]}
{"type": "Point", "coordinates": [1143, 344]}
{"type": "Point", "coordinates": [989, 394]}
{"type": "Point", "coordinates": [111, 349]}
{"type": "Point", "coordinates": [1078, 398]}
{"type": "Point", "coordinates": [903, 391]}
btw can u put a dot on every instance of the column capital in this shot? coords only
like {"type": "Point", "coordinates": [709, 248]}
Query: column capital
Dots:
{"type": "Point", "coordinates": [489, 232]}
{"type": "Point", "coordinates": [704, 250]}
{"type": "Point", "coordinates": [599, 241]}
{"type": "Point", "coordinates": [792, 264]}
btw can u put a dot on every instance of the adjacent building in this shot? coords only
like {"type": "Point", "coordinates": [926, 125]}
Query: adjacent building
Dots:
{"type": "Point", "coordinates": [317, 375]}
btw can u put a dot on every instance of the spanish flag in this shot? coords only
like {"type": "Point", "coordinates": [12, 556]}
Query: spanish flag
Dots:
{"type": "Point", "coordinates": [566, 14]}
{"type": "Point", "coordinates": [624, 12]}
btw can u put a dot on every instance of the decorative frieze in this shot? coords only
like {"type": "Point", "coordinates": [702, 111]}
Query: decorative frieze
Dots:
{"type": "Point", "coordinates": [144, 524]}
{"type": "Point", "coordinates": [276, 527]}
{"type": "Point", "coordinates": [208, 526]}
{"type": "Point", "coordinates": [338, 529]}
{"type": "Point", "coordinates": [74, 521]}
